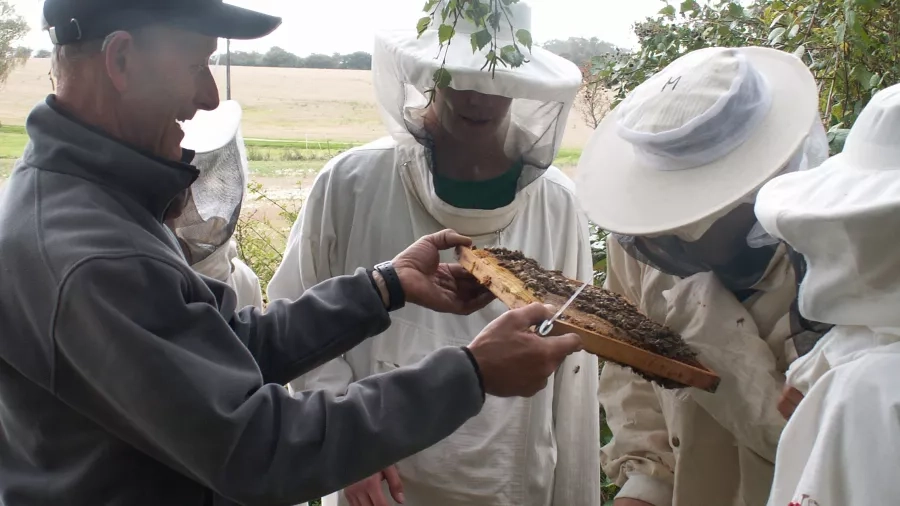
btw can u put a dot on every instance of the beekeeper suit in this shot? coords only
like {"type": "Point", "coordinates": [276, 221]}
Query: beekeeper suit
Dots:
{"type": "Point", "coordinates": [841, 444]}
{"type": "Point", "coordinates": [206, 226]}
{"type": "Point", "coordinates": [373, 201]}
{"type": "Point", "coordinates": [672, 173]}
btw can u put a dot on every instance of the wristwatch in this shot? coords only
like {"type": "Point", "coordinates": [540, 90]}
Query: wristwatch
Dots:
{"type": "Point", "coordinates": [396, 295]}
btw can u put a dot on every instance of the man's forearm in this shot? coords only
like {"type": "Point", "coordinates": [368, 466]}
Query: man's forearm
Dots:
{"type": "Point", "coordinates": [329, 319]}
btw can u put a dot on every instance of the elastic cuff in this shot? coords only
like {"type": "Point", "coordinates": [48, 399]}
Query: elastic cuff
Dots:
{"type": "Point", "coordinates": [477, 369]}
{"type": "Point", "coordinates": [648, 489]}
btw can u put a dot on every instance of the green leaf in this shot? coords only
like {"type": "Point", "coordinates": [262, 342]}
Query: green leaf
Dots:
{"type": "Point", "coordinates": [840, 29]}
{"type": "Point", "coordinates": [524, 38]}
{"type": "Point", "coordinates": [480, 39]}
{"type": "Point", "coordinates": [493, 20]}
{"type": "Point", "coordinates": [687, 5]}
{"type": "Point", "coordinates": [776, 20]}
{"type": "Point", "coordinates": [429, 5]}
{"type": "Point", "coordinates": [735, 10]}
{"type": "Point", "coordinates": [863, 77]}
{"type": "Point", "coordinates": [836, 139]}
{"type": "Point", "coordinates": [850, 16]}
{"type": "Point", "coordinates": [512, 56]}
{"type": "Point", "coordinates": [442, 78]}
{"type": "Point", "coordinates": [445, 33]}
{"type": "Point", "coordinates": [422, 25]}
{"type": "Point", "coordinates": [606, 434]}
{"type": "Point", "coordinates": [668, 11]}
{"type": "Point", "coordinates": [794, 31]}
{"type": "Point", "coordinates": [875, 81]}
{"type": "Point", "coordinates": [478, 11]}
{"type": "Point", "coordinates": [800, 51]}
{"type": "Point", "coordinates": [776, 35]}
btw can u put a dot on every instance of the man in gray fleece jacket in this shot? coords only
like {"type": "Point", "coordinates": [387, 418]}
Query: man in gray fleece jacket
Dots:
{"type": "Point", "coordinates": [128, 379]}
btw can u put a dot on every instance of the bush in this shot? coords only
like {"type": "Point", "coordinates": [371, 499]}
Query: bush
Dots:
{"type": "Point", "coordinates": [261, 243]}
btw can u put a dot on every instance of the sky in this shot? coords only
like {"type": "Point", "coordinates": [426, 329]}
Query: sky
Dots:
{"type": "Point", "coordinates": [345, 26]}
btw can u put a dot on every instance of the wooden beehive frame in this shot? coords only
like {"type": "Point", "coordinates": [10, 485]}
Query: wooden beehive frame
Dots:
{"type": "Point", "coordinates": [601, 342]}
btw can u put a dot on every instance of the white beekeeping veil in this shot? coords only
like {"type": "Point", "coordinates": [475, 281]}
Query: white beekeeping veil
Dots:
{"type": "Point", "coordinates": [542, 90]}
{"type": "Point", "coordinates": [210, 215]}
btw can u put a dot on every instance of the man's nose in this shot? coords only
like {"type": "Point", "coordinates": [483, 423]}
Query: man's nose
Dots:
{"type": "Point", "coordinates": [207, 97]}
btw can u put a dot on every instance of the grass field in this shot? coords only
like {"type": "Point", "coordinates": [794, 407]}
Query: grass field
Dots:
{"type": "Point", "coordinates": [295, 120]}
{"type": "Point", "coordinates": [293, 104]}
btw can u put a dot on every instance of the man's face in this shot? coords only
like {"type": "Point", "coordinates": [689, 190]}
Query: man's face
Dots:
{"type": "Point", "coordinates": [470, 115]}
{"type": "Point", "coordinates": [168, 80]}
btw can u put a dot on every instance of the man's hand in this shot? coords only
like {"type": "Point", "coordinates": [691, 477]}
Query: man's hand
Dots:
{"type": "Point", "coordinates": [514, 361]}
{"type": "Point", "coordinates": [369, 493]}
{"type": "Point", "coordinates": [627, 501]}
{"type": "Point", "coordinates": [446, 288]}
{"type": "Point", "coordinates": [790, 399]}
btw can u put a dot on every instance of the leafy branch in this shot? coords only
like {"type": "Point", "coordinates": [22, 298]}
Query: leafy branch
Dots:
{"type": "Point", "coordinates": [487, 16]}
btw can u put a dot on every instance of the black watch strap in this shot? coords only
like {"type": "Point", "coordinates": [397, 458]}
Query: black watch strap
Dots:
{"type": "Point", "coordinates": [396, 295]}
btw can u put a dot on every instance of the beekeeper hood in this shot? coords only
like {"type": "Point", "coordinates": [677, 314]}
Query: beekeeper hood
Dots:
{"type": "Point", "coordinates": [542, 90]}
{"type": "Point", "coordinates": [211, 213]}
{"type": "Point", "coordinates": [694, 142]}
{"type": "Point", "coordinates": [841, 217]}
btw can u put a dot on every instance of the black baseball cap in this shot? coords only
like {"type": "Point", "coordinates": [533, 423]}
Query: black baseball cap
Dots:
{"type": "Point", "coordinates": [71, 21]}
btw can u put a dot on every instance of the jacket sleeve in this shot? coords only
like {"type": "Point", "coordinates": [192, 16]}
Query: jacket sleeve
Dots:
{"type": "Point", "coordinates": [639, 458]}
{"type": "Point", "coordinates": [312, 257]}
{"type": "Point", "coordinates": [576, 411]}
{"type": "Point", "coordinates": [172, 379]}
{"type": "Point", "coordinates": [839, 447]}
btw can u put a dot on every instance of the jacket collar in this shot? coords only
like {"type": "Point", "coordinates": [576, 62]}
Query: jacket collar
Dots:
{"type": "Point", "coordinates": [415, 172]}
{"type": "Point", "coordinates": [61, 143]}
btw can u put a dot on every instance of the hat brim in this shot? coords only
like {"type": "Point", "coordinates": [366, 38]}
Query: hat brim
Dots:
{"type": "Point", "coordinates": [546, 77]}
{"type": "Point", "coordinates": [621, 195]}
{"type": "Point", "coordinates": [210, 130]}
{"type": "Point", "coordinates": [230, 22]}
{"type": "Point", "coordinates": [836, 194]}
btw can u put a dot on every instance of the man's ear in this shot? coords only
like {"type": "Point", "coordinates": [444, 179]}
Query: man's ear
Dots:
{"type": "Point", "coordinates": [120, 55]}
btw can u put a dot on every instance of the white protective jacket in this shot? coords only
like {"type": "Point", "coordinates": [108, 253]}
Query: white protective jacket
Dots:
{"type": "Point", "coordinates": [225, 266]}
{"type": "Point", "coordinates": [687, 447]}
{"type": "Point", "coordinates": [368, 205]}
{"type": "Point", "coordinates": [841, 444]}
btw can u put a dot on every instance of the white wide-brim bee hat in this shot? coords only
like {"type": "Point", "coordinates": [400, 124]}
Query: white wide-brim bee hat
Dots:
{"type": "Point", "coordinates": [542, 90]}
{"type": "Point", "coordinates": [842, 217]}
{"type": "Point", "coordinates": [697, 139]}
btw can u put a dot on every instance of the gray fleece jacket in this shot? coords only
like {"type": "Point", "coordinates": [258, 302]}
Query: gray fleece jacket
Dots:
{"type": "Point", "coordinates": [128, 379]}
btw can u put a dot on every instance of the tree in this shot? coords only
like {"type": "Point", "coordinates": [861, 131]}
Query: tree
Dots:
{"type": "Point", "coordinates": [850, 46]}
{"type": "Point", "coordinates": [12, 28]}
{"type": "Point", "coordinates": [278, 57]}
{"type": "Point", "coordinates": [578, 50]}
{"type": "Point", "coordinates": [319, 61]}
{"type": "Point", "coordinates": [593, 101]}
{"type": "Point", "coordinates": [359, 60]}
{"type": "Point", "coordinates": [42, 53]}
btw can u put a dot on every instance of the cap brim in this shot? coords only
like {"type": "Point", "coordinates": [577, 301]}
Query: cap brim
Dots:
{"type": "Point", "coordinates": [231, 22]}
{"type": "Point", "coordinates": [623, 196]}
